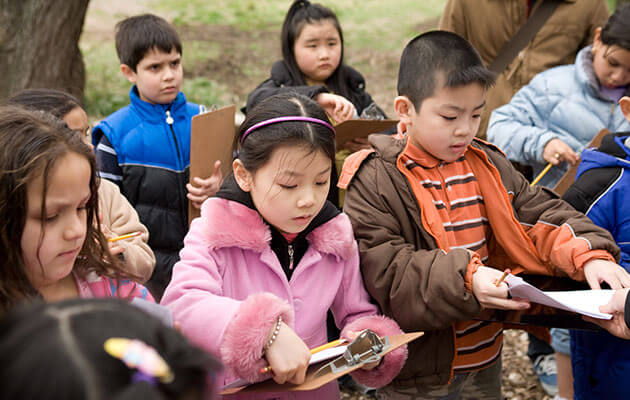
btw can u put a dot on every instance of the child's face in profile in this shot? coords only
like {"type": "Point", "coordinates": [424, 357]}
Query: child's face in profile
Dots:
{"type": "Point", "coordinates": [291, 188]}
{"type": "Point", "coordinates": [64, 227]}
{"type": "Point", "coordinates": [447, 121]}
{"type": "Point", "coordinates": [158, 76]}
{"type": "Point", "coordinates": [317, 50]}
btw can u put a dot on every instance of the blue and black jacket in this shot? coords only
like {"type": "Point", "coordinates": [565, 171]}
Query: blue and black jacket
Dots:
{"type": "Point", "coordinates": [145, 149]}
{"type": "Point", "coordinates": [601, 361]}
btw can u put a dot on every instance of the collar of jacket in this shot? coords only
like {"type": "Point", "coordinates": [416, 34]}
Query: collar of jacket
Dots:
{"type": "Point", "coordinates": [230, 219]}
{"type": "Point", "coordinates": [157, 112]}
{"type": "Point", "coordinates": [586, 74]}
{"type": "Point", "coordinates": [507, 230]}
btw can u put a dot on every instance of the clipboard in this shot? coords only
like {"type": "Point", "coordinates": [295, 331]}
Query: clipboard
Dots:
{"type": "Point", "coordinates": [569, 177]}
{"type": "Point", "coordinates": [312, 382]}
{"type": "Point", "coordinates": [211, 138]}
{"type": "Point", "coordinates": [360, 128]}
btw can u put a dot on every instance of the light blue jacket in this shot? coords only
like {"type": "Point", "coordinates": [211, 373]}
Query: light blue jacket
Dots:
{"type": "Point", "coordinates": [564, 103]}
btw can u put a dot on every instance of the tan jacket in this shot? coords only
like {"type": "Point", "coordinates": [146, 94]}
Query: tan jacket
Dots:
{"type": "Point", "coordinates": [119, 217]}
{"type": "Point", "coordinates": [489, 24]}
{"type": "Point", "coordinates": [423, 286]}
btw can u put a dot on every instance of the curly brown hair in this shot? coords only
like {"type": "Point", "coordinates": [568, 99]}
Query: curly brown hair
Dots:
{"type": "Point", "coordinates": [31, 143]}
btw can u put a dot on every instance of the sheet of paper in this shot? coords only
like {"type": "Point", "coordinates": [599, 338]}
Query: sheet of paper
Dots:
{"type": "Point", "coordinates": [315, 358]}
{"type": "Point", "coordinates": [585, 302]}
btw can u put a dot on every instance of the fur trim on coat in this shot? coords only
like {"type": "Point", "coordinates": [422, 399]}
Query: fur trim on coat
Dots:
{"type": "Point", "coordinates": [391, 363]}
{"type": "Point", "coordinates": [249, 231]}
{"type": "Point", "coordinates": [246, 334]}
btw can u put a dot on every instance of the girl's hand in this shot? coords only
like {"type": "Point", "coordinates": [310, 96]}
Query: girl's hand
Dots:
{"type": "Point", "coordinates": [207, 187]}
{"type": "Point", "coordinates": [337, 107]}
{"type": "Point", "coordinates": [617, 325]}
{"type": "Point", "coordinates": [114, 247]}
{"type": "Point", "coordinates": [556, 151]}
{"type": "Point", "coordinates": [597, 271]}
{"type": "Point", "coordinates": [491, 296]}
{"type": "Point", "coordinates": [288, 356]}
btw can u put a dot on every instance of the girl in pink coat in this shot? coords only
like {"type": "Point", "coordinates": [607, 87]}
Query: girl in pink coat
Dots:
{"type": "Point", "coordinates": [269, 257]}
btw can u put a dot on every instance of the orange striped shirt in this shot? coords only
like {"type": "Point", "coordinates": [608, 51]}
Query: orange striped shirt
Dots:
{"type": "Point", "coordinates": [457, 198]}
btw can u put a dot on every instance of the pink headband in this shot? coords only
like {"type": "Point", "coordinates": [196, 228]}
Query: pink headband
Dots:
{"type": "Point", "coordinates": [285, 119]}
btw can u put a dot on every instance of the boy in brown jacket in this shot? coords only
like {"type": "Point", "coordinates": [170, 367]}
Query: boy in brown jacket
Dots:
{"type": "Point", "coordinates": [438, 214]}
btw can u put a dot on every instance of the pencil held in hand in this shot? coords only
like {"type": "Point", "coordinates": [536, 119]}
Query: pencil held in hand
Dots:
{"type": "Point", "coordinates": [502, 278]}
{"type": "Point", "coordinates": [127, 236]}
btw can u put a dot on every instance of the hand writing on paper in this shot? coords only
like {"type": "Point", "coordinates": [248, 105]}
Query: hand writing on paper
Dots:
{"type": "Point", "coordinates": [337, 107]}
{"type": "Point", "coordinates": [491, 296]}
{"type": "Point", "coordinates": [598, 271]}
{"type": "Point", "coordinates": [288, 357]}
{"type": "Point", "coordinates": [206, 187]}
{"type": "Point", "coordinates": [556, 151]}
{"type": "Point", "coordinates": [617, 325]}
{"type": "Point", "coordinates": [350, 336]}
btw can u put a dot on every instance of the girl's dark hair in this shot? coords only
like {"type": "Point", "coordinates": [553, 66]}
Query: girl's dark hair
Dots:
{"type": "Point", "coordinates": [617, 29]}
{"type": "Point", "coordinates": [55, 351]}
{"type": "Point", "coordinates": [52, 101]}
{"type": "Point", "coordinates": [300, 13]}
{"type": "Point", "coordinates": [257, 147]}
{"type": "Point", "coordinates": [31, 144]}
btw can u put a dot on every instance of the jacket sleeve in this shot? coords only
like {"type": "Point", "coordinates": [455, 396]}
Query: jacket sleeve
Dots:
{"type": "Point", "coordinates": [232, 329]}
{"type": "Point", "coordinates": [422, 289]}
{"type": "Point", "coordinates": [271, 87]}
{"type": "Point", "coordinates": [520, 128]}
{"type": "Point", "coordinates": [565, 239]}
{"type": "Point", "coordinates": [121, 218]}
{"type": "Point", "coordinates": [106, 157]}
{"type": "Point", "coordinates": [453, 18]}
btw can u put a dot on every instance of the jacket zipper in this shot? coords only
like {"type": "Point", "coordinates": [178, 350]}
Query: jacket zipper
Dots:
{"type": "Point", "coordinates": [290, 249]}
{"type": "Point", "coordinates": [169, 122]}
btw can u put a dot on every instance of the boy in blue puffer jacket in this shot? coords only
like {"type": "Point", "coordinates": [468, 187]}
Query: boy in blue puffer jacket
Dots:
{"type": "Point", "coordinates": [601, 362]}
{"type": "Point", "coordinates": [145, 146]}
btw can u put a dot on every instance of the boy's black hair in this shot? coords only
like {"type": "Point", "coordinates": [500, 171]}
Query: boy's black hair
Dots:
{"type": "Point", "coordinates": [617, 29]}
{"type": "Point", "coordinates": [135, 36]}
{"type": "Point", "coordinates": [439, 56]}
{"type": "Point", "coordinates": [304, 12]}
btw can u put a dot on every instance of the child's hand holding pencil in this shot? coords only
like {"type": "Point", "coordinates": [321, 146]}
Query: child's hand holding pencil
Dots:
{"type": "Point", "coordinates": [490, 293]}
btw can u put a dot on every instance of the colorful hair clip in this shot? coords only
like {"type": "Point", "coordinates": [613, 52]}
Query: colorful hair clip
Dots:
{"type": "Point", "coordinates": [137, 354]}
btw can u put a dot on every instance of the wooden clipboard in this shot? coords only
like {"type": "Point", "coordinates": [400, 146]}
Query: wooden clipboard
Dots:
{"type": "Point", "coordinates": [312, 383]}
{"type": "Point", "coordinates": [569, 177]}
{"type": "Point", "coordinates": [360, 128]}
{"type": "Point", "coordinates": [211, 138]}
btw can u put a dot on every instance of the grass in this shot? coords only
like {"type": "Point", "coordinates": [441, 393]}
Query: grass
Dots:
{"type": "Point", "coordinates": [367, 24]}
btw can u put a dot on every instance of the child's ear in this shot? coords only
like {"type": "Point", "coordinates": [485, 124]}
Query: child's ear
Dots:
{"type": "Point", "coordinates": [128, 72]}
{"type": "Point", "coordinates": [243, 176]}
{"type": "Point", "coordinates": [404, 109]}
{"type": "Point", "coordinates": [624, 104]}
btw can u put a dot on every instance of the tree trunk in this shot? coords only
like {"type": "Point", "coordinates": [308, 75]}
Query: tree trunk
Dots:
{"type": "Point", "coordinates": [39, 45]}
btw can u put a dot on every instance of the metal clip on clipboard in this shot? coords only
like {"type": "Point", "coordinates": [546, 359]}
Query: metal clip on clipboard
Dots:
{"type": "Point", "coordinates": [365, 349]}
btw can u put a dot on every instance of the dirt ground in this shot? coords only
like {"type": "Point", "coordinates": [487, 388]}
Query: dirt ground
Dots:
{"type": "Point", "coordinates": [238, 59]}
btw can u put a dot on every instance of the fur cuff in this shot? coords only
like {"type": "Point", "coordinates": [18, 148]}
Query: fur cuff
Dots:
{"type": "Point", "coordinates": [391, 363]}
{"type": "Point", "coordinates": [246, 333]}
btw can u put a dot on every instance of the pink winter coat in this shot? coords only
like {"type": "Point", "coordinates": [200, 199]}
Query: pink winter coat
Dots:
{"type": "Point", "coordinates": [229, 288]}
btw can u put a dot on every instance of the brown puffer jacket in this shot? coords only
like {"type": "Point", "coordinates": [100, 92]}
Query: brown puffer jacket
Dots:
{"type": "Point", "coordinates": [489, 24]}
{"type": "Point", "coordinates": [422, 286]}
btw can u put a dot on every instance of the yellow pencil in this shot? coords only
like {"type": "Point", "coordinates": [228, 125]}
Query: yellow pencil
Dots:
{"type": "Point", "coordinates": [505, 273]}
{"type": "Point", "coordinates": [542, 173]}
{"type": "Point", "coordinates": [127, 236]}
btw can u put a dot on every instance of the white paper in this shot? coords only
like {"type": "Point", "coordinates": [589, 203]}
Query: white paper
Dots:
{"type": "Point", "coordinates": [315, 358]}
{"type": "Point", "coordinates": [585, 302]}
